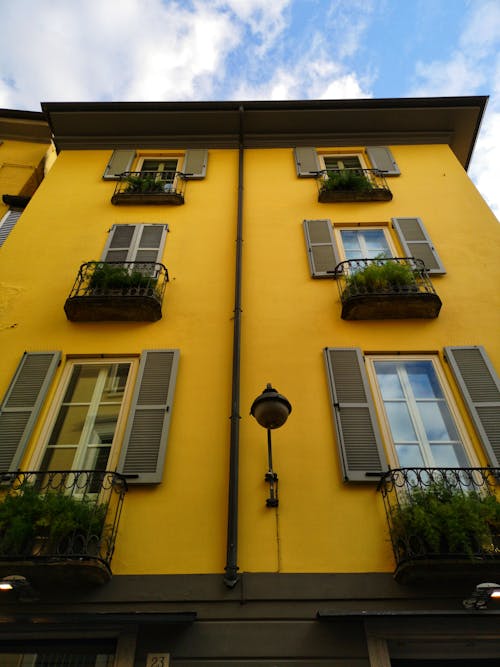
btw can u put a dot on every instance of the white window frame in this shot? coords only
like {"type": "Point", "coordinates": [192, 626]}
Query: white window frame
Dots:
{"type": "Point", "coordinates": [142, 157]}
{"type": "Point", "coordinates": [447, 393]}
{"type": "Point", "coordinates": [339, 156]}
{"type": "Point", "coordinates": [339, 227]}
{"type": "Point", "coordinates": [55, 406]}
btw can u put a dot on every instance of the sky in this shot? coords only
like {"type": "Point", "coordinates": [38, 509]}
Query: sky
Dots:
{"type": "Point", "coordinates": [163, 50]}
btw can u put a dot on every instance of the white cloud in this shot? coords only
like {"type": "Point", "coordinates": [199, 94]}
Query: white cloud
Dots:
{"type": "Point", "coordinates": [471, 67]}
{"type": "Point", "coordinates": [143, 49]}
{"type": "Point", "coordinates": [264, 18]}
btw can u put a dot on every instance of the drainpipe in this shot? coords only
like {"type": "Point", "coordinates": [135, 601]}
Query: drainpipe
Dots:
{"type": "Point", "coordinates": [231, 576]}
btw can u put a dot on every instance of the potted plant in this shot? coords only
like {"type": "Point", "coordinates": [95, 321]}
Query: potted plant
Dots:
{"type": "Point", "coordinates": [117, 276]}
{"type": "Point", "coordinates": [443, 520]}
{"type": "Point", "coordinates": [381, 275]}
{"type": "Point", "coordinates": [143, 184]}
{"type": "Point", "coordinates": [49, 524]}
{"type": "Point", "coordinates": [350, 180]}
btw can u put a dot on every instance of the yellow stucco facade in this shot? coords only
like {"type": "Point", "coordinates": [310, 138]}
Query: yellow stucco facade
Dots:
{"type": "Point", "coordinates": [250, 300]}
{"type": "Point", "coordinates": [323, 524]}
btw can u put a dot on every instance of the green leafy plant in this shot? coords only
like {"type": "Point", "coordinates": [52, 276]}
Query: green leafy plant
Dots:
{"type": "Point", "coordinates": [381, 276]}
{"type": "Point", "coordinates": [143, 184]}
{"type": "Point", "coordinates": [346, 180]}
{"type": "Point", "coordinates": [116, 276]}
{"type": "Point", "coordinates": [445, 520]}
{"type": "Point", "coordinates": [58, 522]}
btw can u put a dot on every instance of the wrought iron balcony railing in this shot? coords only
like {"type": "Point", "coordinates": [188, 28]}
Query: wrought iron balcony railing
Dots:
{"type": "Point", "coordinates": [150, 187]}
{"type": "Point", "coordinates": [344, 185]}
{"type": "Point", "coordinates": [386, 288]}
{"type": "Point", "coordinates": [443, 521]}
{"type": "Point", "coordinates": [117, 291]}
{"type": "Point", "coordinates": [60, 517]}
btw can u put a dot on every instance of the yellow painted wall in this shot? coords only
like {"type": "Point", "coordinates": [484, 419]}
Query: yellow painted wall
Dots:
{"type": "Point", "coordinates": [322, 524]}
{"type": "Point", "coordinates": [21, 168]}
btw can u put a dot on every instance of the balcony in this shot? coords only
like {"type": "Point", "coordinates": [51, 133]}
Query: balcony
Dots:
{"type": "Point", "coordinates": [346, 185]}
{"type": "Point", "coordinates": [444, 523]}
{"type": "Point", "coordinates": [119, 291]}
{"type": "Point", "coordinates": [58, 528]}
{"type": "Point", "coordinates": [386, 288]}
{"type": "Point", "coordinates": [150, 187]}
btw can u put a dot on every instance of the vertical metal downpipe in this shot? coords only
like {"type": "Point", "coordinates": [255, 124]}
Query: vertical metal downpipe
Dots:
{"type": "Point", "coordinates": [231, 576]}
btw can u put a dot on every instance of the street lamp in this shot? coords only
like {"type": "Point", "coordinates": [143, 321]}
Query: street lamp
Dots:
{"type": "Point", "coordinates": [271, 410]}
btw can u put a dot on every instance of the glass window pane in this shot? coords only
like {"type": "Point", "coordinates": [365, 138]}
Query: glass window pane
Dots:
{"type": "Point", "coordinates": [82, 383]}
{"type": "Point", "coordinates": [375, 242]}
{"type": "Point", "coordinates": [423, 379]}
{"type": "Point", "coordinates": [115, 382]}
{"type": "Point", "coordinates": [350, 240]}
{"type": "Point", "coordinates": [389, 383]}
{"type": "Point", "coordinates": [449, 456]}
{"type": "Point", "coordinates": [59, 458]}
{"type": "Point", "coordinates": [409, 456]}
{"type": "Point", "coordinates": [400, 422]}
{"type": "Point", "coordinates": [437, 421]}
{"type": "Point", "coordinates": [104, 425]}
{"type": "Point", "coordinates": [69, 425]}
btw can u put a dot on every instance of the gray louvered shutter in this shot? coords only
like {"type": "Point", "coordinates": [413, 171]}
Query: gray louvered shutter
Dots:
{"type": "Point", "coordinates": [306, 162]}
{"type": "Point", "coordinates": [146, 434]}
{"type": "Point", "coordinates": [321, 248]}
{"type": "Point", "coordinates": [416, 242]}
{"type": "Point", "coordinates": [195, 163]}
{"type": "Point", "coordinates": [119, 244]}
{"type": "Point", "coordinates": [358, 438]}
{"type": "Point", "coordinates": [120, 161]}
{"type": "Point", "coordinates": [22, 403]}
{"type": "Point", "coordinates": [7, 224]}
{"type": "Point", "coordinates": [381, 158]}
{"type": "Point", "coordinates": [480, 388]}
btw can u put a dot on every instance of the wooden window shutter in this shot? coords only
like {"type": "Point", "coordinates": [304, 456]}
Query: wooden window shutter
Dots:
{"type": "Point", "coordinates": [416, 242]}
{"type": "Point", "coordinates": [195, 163]}
{"type": "Point", "coordinates": [7, 224]}
{"type": "Point", "coordinates": [306, 162]}
{"type": "Point", "coordinates": [22, 404]}
{"type": "Point", "coordinates": [120, 161]}
{"type": "Point", "coordinates": [119, 243]}
{"type": "Point", "coordinates": [135, 243]}
{"type": "Point", "coordinates": [381, 158]}
{"type": "Point", "coordinates": [150, 243]}
{"type": "Point", "coordinates": [145, 442]}
{"type": "Point", "coordinates": [358, 438]}
{"type": "Point", "coordinates": [480, 388]}
{"type": "Point", "coordinates": [321, 248]}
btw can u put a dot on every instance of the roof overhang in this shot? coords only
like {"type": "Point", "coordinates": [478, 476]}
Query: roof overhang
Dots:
{"type": "Point", "coordinates": [24, 126]}
{"type": "Point", "coordinates": [95, 125]}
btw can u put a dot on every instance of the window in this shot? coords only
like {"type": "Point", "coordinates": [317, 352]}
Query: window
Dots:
{"type": "Point", "coordinates": [160, 169]}
{"type": "Point", "coordinates": [7, 224]}
{"type": "Point", "coordinates": [193, 164]}
{"type": "Point", "coordinates": [100, 405]}
{"type": "Point", "coordinates": [364, 243]}
{"type": "Point", "coordinates": [338, 162]}
{"type": "Point", "coordinates": [420, 423]}
{"type": "Point", "coordinates": [135, 243]}
{"type": "Point", "coordinates": [308, 162]}
{"type": "Point", "coordinates": [87, 417]}
{"type": "Point", "coordinates": [326, 248]}
{"type": "Point", "coordinates": [422, 429]}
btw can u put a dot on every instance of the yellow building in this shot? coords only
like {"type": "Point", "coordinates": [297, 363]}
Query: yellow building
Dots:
{"type": "Point", "coordinates": [176, 259]}
{"type": "Point", "coordinates": [24, 152]}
